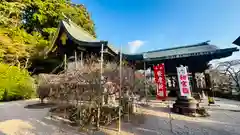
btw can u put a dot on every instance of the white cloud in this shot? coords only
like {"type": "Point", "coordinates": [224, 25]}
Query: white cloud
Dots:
{"type": "Point", "coordinates": [135, 45]}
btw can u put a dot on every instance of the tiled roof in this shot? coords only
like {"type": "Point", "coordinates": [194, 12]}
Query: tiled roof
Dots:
{"type": "Point", "coordinates": [183, 51]}
{"type": "Point", "coordinates": [77, 32]}
{"type": "Point", "coordinates": [179, 52]}
{"type": "Point", "coordinates": [79, 35]}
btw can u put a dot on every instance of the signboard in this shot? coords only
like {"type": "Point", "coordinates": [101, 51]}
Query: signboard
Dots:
{"type": "Point", "coordinates": [159, 74]}
{"type": "Point", "coordinates": [183, 81]}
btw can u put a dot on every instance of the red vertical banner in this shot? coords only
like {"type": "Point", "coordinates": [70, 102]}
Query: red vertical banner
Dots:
{"type": "Point", "coordinates": [159, 74]}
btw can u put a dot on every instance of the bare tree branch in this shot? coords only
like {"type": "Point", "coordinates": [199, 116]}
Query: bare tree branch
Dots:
{"type": "Point", "coordinates": [84, 85]}
{"type": "Point", "coordinates": [231, 69]}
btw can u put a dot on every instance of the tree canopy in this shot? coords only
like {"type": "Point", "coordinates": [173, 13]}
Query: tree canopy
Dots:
{"type": "Point", "coordinates": [27, 26]}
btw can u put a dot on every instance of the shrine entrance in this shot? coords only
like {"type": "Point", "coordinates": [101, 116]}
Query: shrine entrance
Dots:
{"type": "Point", "coordinates": [195, 57]}
{"type": "Point", "coordinates": [199, 80]}
{"type": "Point", "coordinates": [197, 83]}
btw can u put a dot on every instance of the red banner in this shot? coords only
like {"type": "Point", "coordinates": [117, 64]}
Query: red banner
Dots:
{"type": "Point", "coordinates": [159, 74]}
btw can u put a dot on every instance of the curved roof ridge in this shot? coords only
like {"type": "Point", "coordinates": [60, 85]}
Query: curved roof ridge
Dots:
{"type": "Point", "coordinates": [70, 22]}
{"type": "Point", "coordinates": [185, 46]}
{"type": "Point", "coordinates": [76, 32]}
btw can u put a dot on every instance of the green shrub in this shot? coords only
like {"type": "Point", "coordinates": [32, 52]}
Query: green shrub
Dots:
{"type": "Point", "coordinates": [15, 83]}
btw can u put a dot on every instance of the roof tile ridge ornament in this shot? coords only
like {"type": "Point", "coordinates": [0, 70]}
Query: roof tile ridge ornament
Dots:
{"type": "Point", "coordinates": [70, 22]}
{"type": "Point", "coordinates": [204, 43]}
{"type": "Point", "coordinates": [207, 41]}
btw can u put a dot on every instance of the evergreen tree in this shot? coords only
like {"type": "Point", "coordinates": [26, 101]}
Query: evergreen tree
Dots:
{"type": "Point", "coordinates": [27, 26]}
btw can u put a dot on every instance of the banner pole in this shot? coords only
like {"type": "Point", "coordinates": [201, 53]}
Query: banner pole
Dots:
{"type": "Point", "coordinates": [120, 91]}
{"type": "Point", "coordinates": [145, 90]}
{"type": "Point", "coordinates": [169, 113]}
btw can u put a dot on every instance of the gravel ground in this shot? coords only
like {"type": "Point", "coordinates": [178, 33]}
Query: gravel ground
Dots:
{"type": "Point", "coordinates": [15, 119]}
{"type": "Point", "coordinates": [224, 120]}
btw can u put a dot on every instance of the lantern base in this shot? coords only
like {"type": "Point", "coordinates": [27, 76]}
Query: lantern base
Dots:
{"type": "Point", "coordinates": [185, 105]}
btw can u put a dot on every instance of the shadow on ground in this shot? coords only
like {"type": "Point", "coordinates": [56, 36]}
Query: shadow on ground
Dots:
{"type": "Point", "coordinates": [223, 109]}
{"type": "Point", "coordinates": [155, 124]}
{"type": "Point", "coordinates": [40, 105]}
{"type": "Point", "coordinates": [159, 109]}
{"type": "Point", "coordinates": [234, 110]}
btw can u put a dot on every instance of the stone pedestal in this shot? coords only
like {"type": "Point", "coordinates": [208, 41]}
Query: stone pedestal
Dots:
{"type": "Point", "coordinates": [185, 105]}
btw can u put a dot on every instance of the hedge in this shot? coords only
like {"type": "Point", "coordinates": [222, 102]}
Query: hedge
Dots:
{"type": "Point", "coordinates": [15, 83]}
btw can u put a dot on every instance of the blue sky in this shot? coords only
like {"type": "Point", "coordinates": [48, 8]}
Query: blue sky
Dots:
{"type": "Point", "coordinates": [146, 25]}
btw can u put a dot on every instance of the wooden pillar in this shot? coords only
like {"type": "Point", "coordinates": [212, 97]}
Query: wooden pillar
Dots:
{"type": "Point", "coordinates": [207, 81]}
{"type": "Point", "coordinates": [65, 61]}
{"type": "Point", "coordinates": [81, 58]}
{"type": "Point", "coordinates": [120, 92]}
{"type": "Point", "coordinates": [75, 56]}
{"type": "Point", "coordinates": [194, 82]}
{"type": "Point", "coordinates": [151, 77]}
{"type": "Point", "coordinates": [146, 94]}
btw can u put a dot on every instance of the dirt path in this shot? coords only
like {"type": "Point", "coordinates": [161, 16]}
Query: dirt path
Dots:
{"type": "Point", "coordinates": [154, 120]}
{"type": "Point", "coordinates": [16, 119]}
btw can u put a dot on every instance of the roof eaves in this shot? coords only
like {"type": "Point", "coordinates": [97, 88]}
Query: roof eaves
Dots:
{"type": "Point", "coordinates": [84, 31]}
{"type": "Point", "coordinates": [112, 48]}
{"type": "Point", "coordinates": [237, 41]}
{"type": "Point", "coordinates": [54, 38]}
{"type": "Point", "coordinates": [233, 49]}
{"type": "Point", "coordinates": [193, 54]}
{"type": "Point", "coordinates": [73, 30]}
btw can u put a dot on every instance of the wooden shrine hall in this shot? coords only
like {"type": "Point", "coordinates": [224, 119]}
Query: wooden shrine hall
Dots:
{"type": "Point", "coordinates": [71, 41]}
{"type": "Point", "coordinates": [195, 57]}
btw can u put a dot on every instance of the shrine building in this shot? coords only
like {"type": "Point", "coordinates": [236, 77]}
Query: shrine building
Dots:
{"type": "Point", "coordinates": [71, 42]}
{"type": "Point", "coordinates": [196, 57]}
